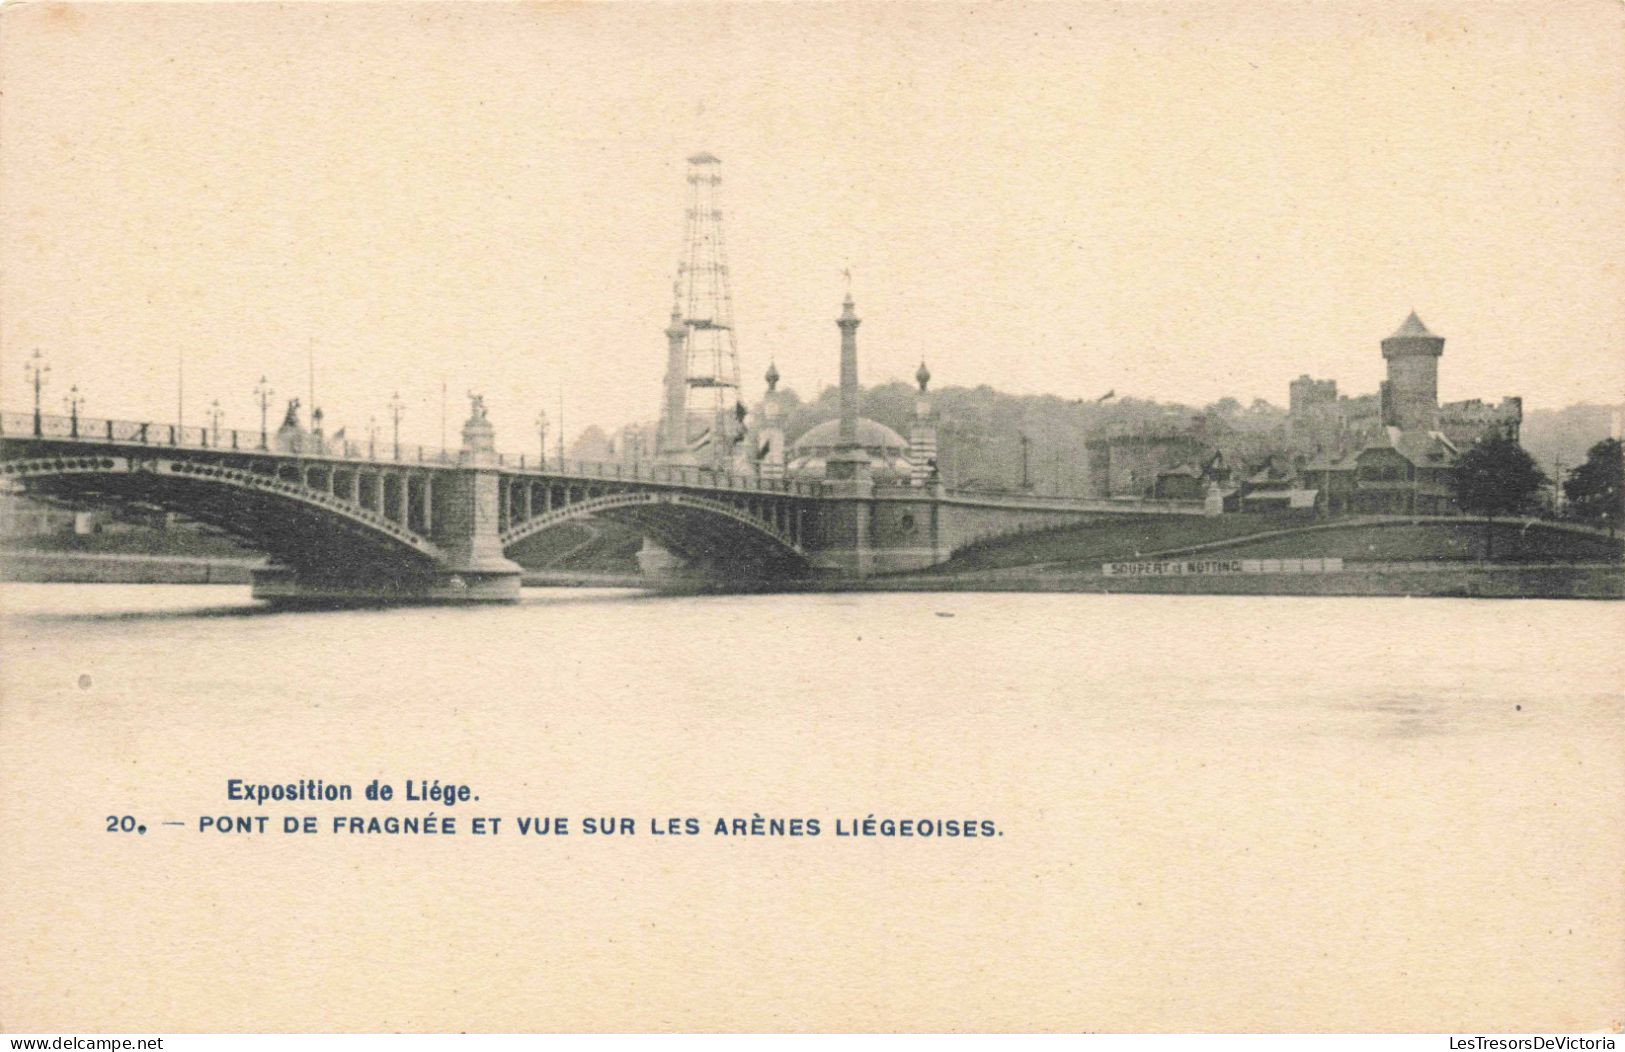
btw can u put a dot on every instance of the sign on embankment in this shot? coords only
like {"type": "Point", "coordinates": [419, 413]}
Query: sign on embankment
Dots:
{"type": "Point", "coordinates": [1189, 567]}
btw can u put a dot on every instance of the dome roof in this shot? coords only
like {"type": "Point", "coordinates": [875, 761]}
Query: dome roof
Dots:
{"type": "Point", "coordinates": [872, 435]}
{"type": "Point", "coordinates": [886, 449]}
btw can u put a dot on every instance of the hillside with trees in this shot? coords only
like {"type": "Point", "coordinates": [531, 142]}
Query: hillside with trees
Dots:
{"type": "Point", "coordinates": [980, 431]}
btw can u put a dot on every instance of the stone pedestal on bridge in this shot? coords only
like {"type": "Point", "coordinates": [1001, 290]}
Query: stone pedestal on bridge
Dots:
{"type": "Point", "coordinates": [468, 520]}
{"type": "Point", "coordinates": [847, 546]}
{"type": "Point", "coordinates": [467, 529]}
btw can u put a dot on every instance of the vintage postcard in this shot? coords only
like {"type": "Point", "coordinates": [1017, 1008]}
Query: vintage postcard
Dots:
{"type": "Point", "coordinates": [548, 517]}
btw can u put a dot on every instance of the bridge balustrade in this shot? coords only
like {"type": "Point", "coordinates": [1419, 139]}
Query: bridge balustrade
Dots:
{"type": "Point", "coordinates": [150, 433]}
{"type": "Point", "coordinates": [670, 474]}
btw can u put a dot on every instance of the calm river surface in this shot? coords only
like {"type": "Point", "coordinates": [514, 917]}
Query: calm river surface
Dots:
{"type": "Point", "coordinates": [1216, 812]}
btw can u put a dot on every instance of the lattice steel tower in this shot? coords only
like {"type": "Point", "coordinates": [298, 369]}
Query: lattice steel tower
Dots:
{"type": "Point", "coordinates": [702, 419]}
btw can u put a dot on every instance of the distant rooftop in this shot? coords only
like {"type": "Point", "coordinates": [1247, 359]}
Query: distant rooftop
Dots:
{"type": "Point", "coordinates": [706, 158]}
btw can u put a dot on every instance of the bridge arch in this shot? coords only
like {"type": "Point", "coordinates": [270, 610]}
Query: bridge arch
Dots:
{"type": "Point", "coordinates": [284, 518]}
{"type": "Point", "coordinates": [686, 523]}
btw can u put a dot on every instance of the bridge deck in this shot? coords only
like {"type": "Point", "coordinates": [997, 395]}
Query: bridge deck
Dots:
{"type": "Point", "coordinates": [89, 433]}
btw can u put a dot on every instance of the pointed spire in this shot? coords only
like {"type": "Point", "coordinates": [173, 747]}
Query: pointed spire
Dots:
{"type": "Point", "coordinates": [1412, 327]}
{"type": "Point", "coordinates": [922, 376]}
{"type": "Point", "coordinates": [772, 376]}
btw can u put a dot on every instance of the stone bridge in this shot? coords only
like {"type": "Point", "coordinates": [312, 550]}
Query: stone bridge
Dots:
{"type": "Point", "coordinates": [347, 522]}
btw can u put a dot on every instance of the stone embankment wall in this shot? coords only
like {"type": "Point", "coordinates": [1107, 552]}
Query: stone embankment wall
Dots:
{"type": "Point", "coordinates": [40, 567]}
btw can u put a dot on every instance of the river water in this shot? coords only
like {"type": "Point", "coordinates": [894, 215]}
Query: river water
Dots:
{"type": "Point", "coordinates": [1211, 812]}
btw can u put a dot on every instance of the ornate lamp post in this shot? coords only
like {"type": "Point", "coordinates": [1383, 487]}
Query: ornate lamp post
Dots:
{"type": "Point", "coordinates": [36, 368]}
{"type": "Point", "coordinates": [541, 438]}
{"type": "Point", "coordinates": [216, 414]}
{"type": "Point", "coordinates": [263, 392]}
{"type": "Point", "coordinates": [73, 401]}
{"type": "Point", "coordinates": [372, 438]}
{"type": "Point", "coordinates": [395, 407]}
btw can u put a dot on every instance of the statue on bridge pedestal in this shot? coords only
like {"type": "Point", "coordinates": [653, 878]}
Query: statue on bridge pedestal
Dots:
{"type": "Point", "coordinates": [479, 437]}
{"type": "Point", "coordinates": [290, 437]}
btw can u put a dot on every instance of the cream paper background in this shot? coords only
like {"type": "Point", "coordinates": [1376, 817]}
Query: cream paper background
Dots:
{"type": "Point", "coordinates": [1363, 886]}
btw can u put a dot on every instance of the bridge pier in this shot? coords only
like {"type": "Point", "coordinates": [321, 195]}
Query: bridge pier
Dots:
{"type": "Point", "coordinates": [463, 517]}
{"type": "Point", "coordinates": [660, 564]}
{"type": "Point", "coordinates": [471, 567]}
{"type": "Point", "coordinates": [468, 525]}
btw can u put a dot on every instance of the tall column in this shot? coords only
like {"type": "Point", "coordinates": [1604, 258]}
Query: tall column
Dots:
{"type": "Point", "coordinates": [849, 323]}
{"type": "Point", "coordinates": [849, 462]}
{"type": "Point", "coordinates": [847, 472]}
{"type": "Point", "coordinates": [770, 449]}
{"type": "Point", "coordinates": [922, 436]}
{"type": "Point", "coordinates": [674, 419]}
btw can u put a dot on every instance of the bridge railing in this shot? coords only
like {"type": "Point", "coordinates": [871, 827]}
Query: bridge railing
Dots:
{"type": "Point", "coordinates": [389, 452]}
{"type": "Point", "coordinates": [670, 474]}
{"type": "Point", "coordinates": [371, 450]}
{"type": "Point", "coordinates": [150, 433]}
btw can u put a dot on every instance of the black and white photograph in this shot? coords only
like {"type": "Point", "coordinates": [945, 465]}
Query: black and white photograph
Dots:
{"type": "Point", "coordinates": [721, 517]}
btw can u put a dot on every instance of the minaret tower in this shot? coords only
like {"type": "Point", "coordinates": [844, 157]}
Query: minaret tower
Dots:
{"type": "Point", "coordinates": [1410, 395]}
{"type": "Point", "coordinates": [922, 435]}
{"type": "Point", "coordinates": [770, 449]}
{"type": "Point", "coordinates": [706, 430]}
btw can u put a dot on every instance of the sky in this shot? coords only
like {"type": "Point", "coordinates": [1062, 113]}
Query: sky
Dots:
{"type": "Point", "coordinates": [1179, 202]}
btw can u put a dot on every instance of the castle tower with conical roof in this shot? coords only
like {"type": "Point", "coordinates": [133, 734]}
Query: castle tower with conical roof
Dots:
{"type": "Point", "coordinates": [1410, 395]}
